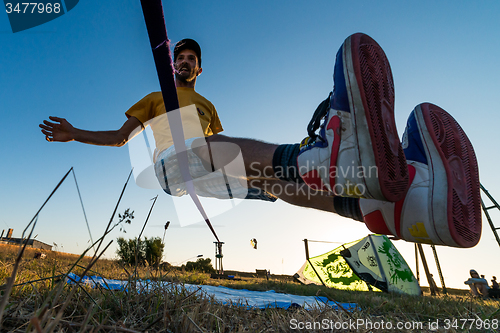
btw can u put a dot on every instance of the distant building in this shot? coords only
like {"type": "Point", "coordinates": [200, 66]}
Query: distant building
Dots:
{"type": "Point", "coordinates": [9, 240]}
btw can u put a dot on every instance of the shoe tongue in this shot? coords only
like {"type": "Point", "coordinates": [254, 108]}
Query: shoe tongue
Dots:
{"type": "Point", "coordinates": [412, 142]}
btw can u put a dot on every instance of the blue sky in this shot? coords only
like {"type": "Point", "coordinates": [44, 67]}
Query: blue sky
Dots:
{"type": "Point", "coordinates": [266, 66]}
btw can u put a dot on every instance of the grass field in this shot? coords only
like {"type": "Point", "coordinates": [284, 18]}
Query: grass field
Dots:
{"type": "Point", "coordinates": [38, 300]}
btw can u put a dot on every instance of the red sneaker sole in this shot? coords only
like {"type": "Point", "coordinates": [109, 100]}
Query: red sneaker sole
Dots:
{"type": "Point", "coordinates": [374, 89]}
{"type": "Point", "coordinates": [463, 206]}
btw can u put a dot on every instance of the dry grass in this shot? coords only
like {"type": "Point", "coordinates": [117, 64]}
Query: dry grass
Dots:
{"type": "Point", "coordinates": [50, 305]}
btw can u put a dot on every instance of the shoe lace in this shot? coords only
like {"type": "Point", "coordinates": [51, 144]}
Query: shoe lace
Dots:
{"type": "Point", "coordinates": [318, 115]}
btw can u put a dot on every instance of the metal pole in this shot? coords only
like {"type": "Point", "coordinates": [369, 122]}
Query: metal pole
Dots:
{"type": "Point", "coordinates": [416, 264]}
{"type": "Point", "coordinates": [379, 263]}
{"type": "Point", "coordinates": [439, 269]}
{"type": "Point", "coordinates": [218, 258]}
{"type": "Point", "coordinates": [307, 249]}
{"type": "Point", "coordinates": [220, 253]}
{"type": "Point", "coordinates": [485, 209]}
{"type": "Point", "coordinates": [426, 268]}
{"type": "Point", "coordinates": [310, 263]}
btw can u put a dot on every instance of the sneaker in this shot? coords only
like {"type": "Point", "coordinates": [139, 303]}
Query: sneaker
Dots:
{"type": "Point", "coordinates": [357, 152]}
{"type": "Point", "coordinates": [442, 206]}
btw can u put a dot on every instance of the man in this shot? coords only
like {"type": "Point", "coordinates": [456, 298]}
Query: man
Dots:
{"type": "Point", "coordinates": [433, 286]}
{"type": "Point", "coordinates": [494, 292]}
{"type": "Point", "coordinates": [494, 283]}
{"type": "Point", "coordinates": [199, 121]}
{"type": "Point", "coordinates": [187, 63]}
{"type": "Point", "coordinates": [426, 190]}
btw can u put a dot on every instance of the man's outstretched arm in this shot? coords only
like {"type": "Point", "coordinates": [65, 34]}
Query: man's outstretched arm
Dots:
{"type": "Point", "coordinates": [61, 130]}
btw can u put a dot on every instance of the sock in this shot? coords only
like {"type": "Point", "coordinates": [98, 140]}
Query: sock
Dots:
{"type": "Point", "coordinates": [285, 163]}
{"type": "Point", "coordinates": [348, 207]}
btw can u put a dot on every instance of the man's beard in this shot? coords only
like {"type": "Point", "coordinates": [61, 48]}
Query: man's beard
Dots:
{"type": "Point", "coordinates": [185, 76]}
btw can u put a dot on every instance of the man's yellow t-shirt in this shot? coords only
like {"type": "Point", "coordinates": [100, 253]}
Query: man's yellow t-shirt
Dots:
{"type": "Point", "coordinates": [151, 111]}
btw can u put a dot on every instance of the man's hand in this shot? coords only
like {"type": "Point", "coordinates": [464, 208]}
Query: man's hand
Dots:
{"type": "Point", "coordinates": [61, 130]}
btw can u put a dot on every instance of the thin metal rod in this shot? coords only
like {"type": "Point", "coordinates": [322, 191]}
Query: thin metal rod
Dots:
{"type": "Point", "coordinates": [489, 196]}
{"type": "Point", "coordinates": [307, 248]}
{"type": "Point", "coordinates": [426, 268]}
{"type": "Point", "coordinates": [416, 264]}
{"type": "Point", "coordinates": [50, 196]}
{"type": "Point", "coordinates": [83, 208]}
{"type": "Point", "coordinates": [139, 238]}
{"type": "Point", "coordinates": [114, 211]}
{"type": "Point", "coordinates": [490, 222]}
{"type": "Point", "coordinates": [147, 218]}
{"type": "Point", "coordinates": [379, 263]}
{"type": "Point", "coordinates": [315, 241]}
{"type": "Point", "coordinates": [488, 217]}
{"type": "Point", "coordinates": [439, 269]}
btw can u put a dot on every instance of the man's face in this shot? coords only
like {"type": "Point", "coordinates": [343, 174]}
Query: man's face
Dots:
{"type": "Point", "coordinates": [186, 66]}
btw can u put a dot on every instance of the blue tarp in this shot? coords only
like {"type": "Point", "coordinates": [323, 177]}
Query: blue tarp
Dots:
{"type": "Point", "coordinates": [241, 297]}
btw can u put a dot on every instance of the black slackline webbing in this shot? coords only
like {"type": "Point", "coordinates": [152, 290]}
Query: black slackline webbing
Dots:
{"type": "Point", "coordinates": [160, 45]}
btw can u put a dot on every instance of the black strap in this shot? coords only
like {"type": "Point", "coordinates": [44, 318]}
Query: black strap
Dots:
{"type": "Point", "coordinates": [318, 115]}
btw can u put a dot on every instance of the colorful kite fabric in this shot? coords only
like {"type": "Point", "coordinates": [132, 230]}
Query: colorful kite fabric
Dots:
{"type": "Point", "coordinates": [333, 271]}
{"type": "Point", "coordinates": [372, 262]}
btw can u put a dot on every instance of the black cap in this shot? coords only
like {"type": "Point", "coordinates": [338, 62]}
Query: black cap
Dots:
{"type": "Point", "coordinates": [188, 44]}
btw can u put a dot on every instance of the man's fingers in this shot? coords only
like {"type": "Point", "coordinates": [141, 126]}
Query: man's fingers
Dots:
{"type": "Point", "coordinates": [55, 131]}
{"type": "Point", "coordinates": [45, 127]}
{"type": "Point", "coordinates": [56, 119]}
{"type": "Point", "coordinates": [48, 123]}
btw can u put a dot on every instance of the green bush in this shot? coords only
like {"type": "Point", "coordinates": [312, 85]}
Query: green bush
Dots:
{"type": "Point", "coordinates": [201, 265]}
{"type": "Point", "coordinates": [153, 250]}
{"type": "Point", "coordinates": [149, 250]}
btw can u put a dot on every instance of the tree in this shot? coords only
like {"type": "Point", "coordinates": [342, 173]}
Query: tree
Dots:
{"type": "Point", "coordinates": [154, 250]}
{"type": "Point", "coordinates": [127, 251]}
{"type": "Point", "coordinates": [201, 265]}
{"type": "Point", "coordinates": [149, 250]}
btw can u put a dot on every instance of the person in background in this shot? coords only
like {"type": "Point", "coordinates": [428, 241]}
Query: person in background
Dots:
{"type": "Point", "coordinates": [494, 283]}
{"type": "Point", "coordinates": [478, 286]}
{"type": "Point", "coordinates": [434, 286]}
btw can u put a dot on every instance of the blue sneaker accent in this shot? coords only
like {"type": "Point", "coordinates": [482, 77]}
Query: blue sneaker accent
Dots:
{"type": "Point", "coordinates": [339, 100]}
{"type": "Point", "coordinates": [412, 142]}
{"type": "Point", "coordinates": [319, 142]}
